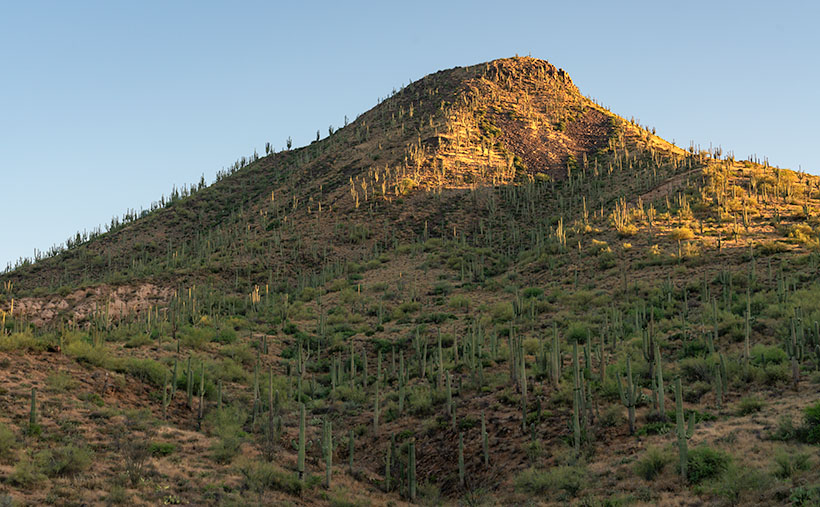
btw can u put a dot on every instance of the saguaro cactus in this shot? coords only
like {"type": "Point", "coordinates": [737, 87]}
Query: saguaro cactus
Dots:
{"type": "Point", "coordinates": [659, 383]}
{"type": "Point", "coordinates": [328, 452]}
{"type": "Point", "coordinates": [411, 471]}
{"type": "Point", "coordinates": [461, 458]}
{"type": "Point", "coordinates": [32, 416]}
{"type": "Point", "coordinates": [485, 444]}
{"type": "Point", "coordinates": [683, 433]}
{"type": "Point", "coordinates": [300, 460]}
{"type": "Point", "coordinates": [629, 395]}
{"type": "Point", "coordinates": [350, 444]}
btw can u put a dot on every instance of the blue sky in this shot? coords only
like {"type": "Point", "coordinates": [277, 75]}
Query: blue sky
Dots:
{"type": "Point", "coordinates": [105, 105]}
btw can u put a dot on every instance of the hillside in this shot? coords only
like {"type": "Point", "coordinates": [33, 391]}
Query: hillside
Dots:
{"type": "Point", "coordinates": [491, 288]}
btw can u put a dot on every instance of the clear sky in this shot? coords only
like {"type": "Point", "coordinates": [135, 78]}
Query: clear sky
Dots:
{"type": "Point", "coordinates": [104, 105]}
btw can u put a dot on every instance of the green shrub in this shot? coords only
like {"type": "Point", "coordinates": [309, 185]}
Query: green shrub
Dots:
{"type": "Point", "coordinates": [502, 312]}
{"type": "Point", "coordinates": [652, 463]}
{"type": "Point", "coordinates": [260, 476]}
{"type": "Point", "coordinates": [788, 463]}
{"type": "Point", "coordinates": [226, 426]}
{"type": "Point", "coordinates": [139, 340]}
{"type": "Point", "coordinates": [196, 337]}
{"type": "Point", "coordinates": [805, 496]}
{"type": "Point", "coordinates": [7, 443]}
{"type": "Point", "coordinates": [749, 405]}
{"type": "Point", "coordinates": [147, 370]}
{"type": "Point", "coordinates": [420, 400]}
{"type": "Point", "coordinates": [65, 460]}
{"type": "Point", "coordinates": [786, 429]}
{"type": "Point", "coordinates": [27, 472]}
{"type": "Point", "coordinates": [60, 382]}
{"type": "Point", "coordinates": [162, 448]}
{"type": "Point", "coordinates": [84, 352]}
{"type": "Point", "coordinates": [811, 424]}
{"type": "Point", "coordinates": [459, 301]}
{"type": "Point", "coordinates": [706, 463]}
{"type": "Point", "coordinates": [225, 335]}
{"type": "Point", "coordinates": [777, 374]}
{"type": "Point", "coordinates": [768, 354]}
{"type": "Point", "coordinates": [682, 233]}
{"type": "Point", "coordinates": [532, 292]}
{"type": "Point", "coordinates": [577, 332]}
{"type": "Point", "coordinates": [742, 486]}
{"type": "Point", "coordinates": [21, 341]}
{"type": "Point", "coordinates": [569, 479]}
{"type": "Point", "coordinates": [696, 369]}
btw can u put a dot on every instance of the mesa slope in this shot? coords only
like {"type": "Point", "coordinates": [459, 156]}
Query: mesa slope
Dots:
{"type": "Point", "coordinates": [488, 286]}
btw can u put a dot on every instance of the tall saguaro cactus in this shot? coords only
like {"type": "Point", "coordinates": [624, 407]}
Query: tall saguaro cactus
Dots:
{"type": "Point", "coordinates": [683, 433]}
{"type": "Point", "coordinates": [328, 448]}
{"type": "Point", "coordinates": [411, 471]}
{"type": "Point", "coordinates": [461, 472]}
{"type": "Point", "coordinates": [300, 460]}
{"type": "Point", "coordinates": [629, 395]}
{"type": "Point", "coordinates": [659, 382]}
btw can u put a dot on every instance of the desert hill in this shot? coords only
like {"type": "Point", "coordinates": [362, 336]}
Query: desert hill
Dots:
{"type": "Point", "coordinates": [490, 287]}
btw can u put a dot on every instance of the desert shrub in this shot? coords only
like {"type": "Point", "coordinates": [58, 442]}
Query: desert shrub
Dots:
{"type": "Point", "coordinates": [260, 476]}
{"type": "Point", "coordinates": [805, 496]}
{"type": "Point", "coordinates": [694, 369]}
{"type": "Point", "coordinates": [566, 478]}
{"type": "Point", "coordinates": [442, 289]}
{"type": "Point", "coordinates": [652, 463]}
{"type": "Point", "coordinates": [612, 416]}
{"type": "Point", "coordinates": [532, 292]}
{"type": "Point", "coordinates": [21, 341]}
{"type": "Point", "coordinates": [786, 430]}
{"type": "Point", "coordinates": [65, 460]}
{"type": "Point", "coordinates": [135, 453]}
{"type": "Point", "coordinates": [239, 352]}
{"type": "Point", "coordinates": [682, 233]}
{"type": "Point", "coordinates": [531, 346]}
{"type": "Point", "coordinates": [577, 332]}
{"type": "Point", "coordinates": [502, 312]}
{"type": "Point", "coordinates": [118, 495]}
{"type": "Point", "coordinates": [428, 492]}
{"type": "Point", "coordinates": [27, 472]}
{"type": "Point", "coordinates": [772, 247]}
{"type": "Point", "coordinates": [810, 430]}
{"type": "Point", "coordinates": [197, 337]}
{"type": "Point", "coordinates": [768, 354]}
{"type": "Point", "coordinates": [459, 301]}
{"type": "Point", "coordinates": [420, 400]}
{"type": "Point", "coordinates": [788, 463]}
{"type": "Point", "coordinates": [226, 426]}
{"type": "Point", "coordinates": [535, 451]}
{"type": "Point", "coordinates": [695, 391]}
{"type": "Point", "coordinates": [61, 461]}
{"type": "Point", "coordinates": [162, 448]}
{"type": "Point", "coordinates": [84, 352]}
{"type": "Point", "coordinates": [742, 485]}
{"type": "Point", "coordinates": [776, 374]}
{"type": "Point", "coordinates": [749, 405]}
{"type": "Point", "coordinates": [139, 340]}
{"type": "Point", "coordinates": [60, 382]}
{"type": "Point", "coordinates": [227, 370]}
{"type": "Point", "coordinates": [706, 463]}
{"type": "Point", "coordinates": [147, 370]}
{"type": "Point", "coordinates": [7, 443]}
{"type": "Point", "coordinates": [225, 335]}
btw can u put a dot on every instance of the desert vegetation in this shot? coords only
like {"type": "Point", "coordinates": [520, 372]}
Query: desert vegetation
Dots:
{"type": "Point", "coordinates": [488, 289]}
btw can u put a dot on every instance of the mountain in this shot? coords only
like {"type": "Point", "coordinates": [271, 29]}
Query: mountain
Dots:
{"type": "Point", "coordinates": [481, 285]}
